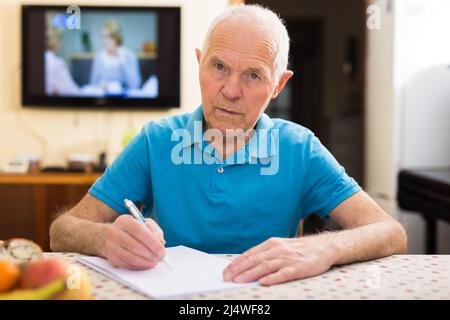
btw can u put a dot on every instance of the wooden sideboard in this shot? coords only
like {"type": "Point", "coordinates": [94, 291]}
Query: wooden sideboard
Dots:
{"type": "Point", "coordinates": [29, 202]}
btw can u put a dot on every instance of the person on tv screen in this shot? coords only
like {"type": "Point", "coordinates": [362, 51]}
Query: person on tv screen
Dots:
{"type": "Point", "coordinates": [115, 68]}
{"type": "Point", "coordinates": [58, 80]}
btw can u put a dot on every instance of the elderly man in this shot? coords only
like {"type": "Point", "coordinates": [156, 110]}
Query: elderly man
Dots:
{"type": "Point", "coordinates": [194, 193]}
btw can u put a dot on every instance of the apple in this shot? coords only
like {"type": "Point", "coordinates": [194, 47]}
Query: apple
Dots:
{"type": "Point", "coordinates": [39, 273]}
{"type": "Point", "coordinates": [42, 272]}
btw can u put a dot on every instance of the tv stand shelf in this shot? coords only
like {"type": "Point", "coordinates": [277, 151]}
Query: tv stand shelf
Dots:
{"type": "Point", "coordinates": [47, 178]}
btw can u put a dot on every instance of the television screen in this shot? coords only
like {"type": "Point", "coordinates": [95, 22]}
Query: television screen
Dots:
{"type": "Point", "coordinates": [101, 56]}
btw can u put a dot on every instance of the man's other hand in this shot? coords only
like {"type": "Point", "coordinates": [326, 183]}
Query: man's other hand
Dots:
{"type": "Point", "coordinates": [278, 260]}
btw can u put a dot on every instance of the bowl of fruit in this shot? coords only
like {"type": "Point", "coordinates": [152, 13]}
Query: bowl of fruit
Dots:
{"type": "Point", "coordinates": [25, 274]}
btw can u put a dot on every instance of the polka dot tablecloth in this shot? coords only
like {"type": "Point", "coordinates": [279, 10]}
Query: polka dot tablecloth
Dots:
{"type": "Point", "coordinates": [394, 277]}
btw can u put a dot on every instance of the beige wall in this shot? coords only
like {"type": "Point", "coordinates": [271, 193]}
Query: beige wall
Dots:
{"type": "Point", "coordinates": [54, 134]}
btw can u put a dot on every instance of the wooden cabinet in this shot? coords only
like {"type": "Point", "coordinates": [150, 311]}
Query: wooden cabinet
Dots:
{"type": "Point", "coordinates": [29, 202]}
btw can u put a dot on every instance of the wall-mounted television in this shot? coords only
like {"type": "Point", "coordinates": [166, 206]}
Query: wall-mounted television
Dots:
{"type": "Point", "coordinates": [100, 57]}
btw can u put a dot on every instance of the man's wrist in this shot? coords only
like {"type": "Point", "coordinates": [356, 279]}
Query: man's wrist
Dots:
{"type": "Point", "coordinates": [334, 248]}
{"type": "Point", "coordinates": [337, 252]}
{"type": "Point", "coordinates": [100, 246]}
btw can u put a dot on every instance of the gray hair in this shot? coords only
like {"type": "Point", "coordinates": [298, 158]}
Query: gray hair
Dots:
{"type": "Point", "coordinates": [275, 28]}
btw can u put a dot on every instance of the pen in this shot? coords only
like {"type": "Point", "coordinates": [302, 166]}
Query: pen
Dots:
{"type": "Point", "coordinates": [140, 218]}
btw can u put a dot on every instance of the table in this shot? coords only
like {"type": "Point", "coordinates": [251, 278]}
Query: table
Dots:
{"type": "Point", "coordinates": [394, 277]}
{"type": "Point", "coordinates": [426, 191]}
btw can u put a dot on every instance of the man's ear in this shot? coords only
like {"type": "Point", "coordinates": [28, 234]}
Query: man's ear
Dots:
{"type": "Point", "coordinates": [282, 83]}
{"type": "Point", "coordinates": [198, 53]}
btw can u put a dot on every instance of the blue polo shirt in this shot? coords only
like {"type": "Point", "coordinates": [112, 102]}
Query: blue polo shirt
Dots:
{"type": "Point", "coordinates": [282, 175]}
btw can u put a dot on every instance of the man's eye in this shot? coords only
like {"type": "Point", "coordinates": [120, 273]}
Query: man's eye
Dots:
{"type": "Point", "coordinates": [254, 76]}
{"type": "Point", "coordinates": [219, 66]}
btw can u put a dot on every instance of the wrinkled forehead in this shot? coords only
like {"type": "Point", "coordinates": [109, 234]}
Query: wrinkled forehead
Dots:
{"type": "Point", "coordinates": [243, 37]}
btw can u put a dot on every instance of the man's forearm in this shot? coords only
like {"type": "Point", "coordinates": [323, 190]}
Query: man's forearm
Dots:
{"type": "Point", "coordinates": [71, 234]}
{"type": "Point", "coordinates": [367, 242]}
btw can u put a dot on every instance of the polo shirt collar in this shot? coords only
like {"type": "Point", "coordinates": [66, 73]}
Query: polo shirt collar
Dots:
{"type": "Point", "coordinates": [264, 133]}
{"type": "Point", "coordinates": [195, 120]}
{"type": "Point", "coordinates": [264, 128]}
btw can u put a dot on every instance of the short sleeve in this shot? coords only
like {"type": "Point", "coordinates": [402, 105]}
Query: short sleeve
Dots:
{"type": "Point", "coordinates": [326, 184]}
{"type": "Point", "coordinates": [128, 177]}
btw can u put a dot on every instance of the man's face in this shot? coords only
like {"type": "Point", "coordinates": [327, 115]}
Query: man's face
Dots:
{"type": "Point", "coordinates": [237, 76]}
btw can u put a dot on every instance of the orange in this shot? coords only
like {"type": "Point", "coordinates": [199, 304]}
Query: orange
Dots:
{"type": "Point", "coordinates": [9, 274]}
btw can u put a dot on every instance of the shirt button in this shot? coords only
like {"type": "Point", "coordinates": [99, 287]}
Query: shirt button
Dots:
{"type": "Point", "coordinates": [220, 169]}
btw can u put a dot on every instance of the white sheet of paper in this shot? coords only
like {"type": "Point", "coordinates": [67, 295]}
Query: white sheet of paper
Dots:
{"type": "Point", "coordinates": [193, 272]}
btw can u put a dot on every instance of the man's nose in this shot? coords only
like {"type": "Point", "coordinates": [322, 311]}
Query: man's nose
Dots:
{"type": "Point", "coordinates": [231, 89]}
